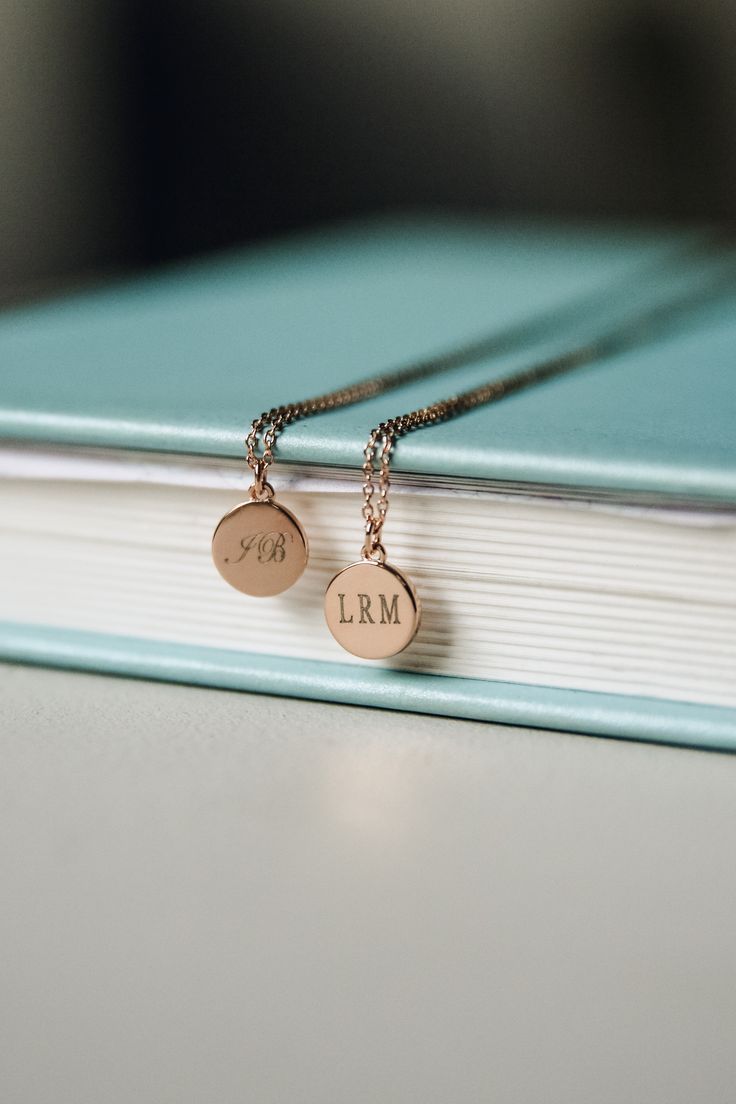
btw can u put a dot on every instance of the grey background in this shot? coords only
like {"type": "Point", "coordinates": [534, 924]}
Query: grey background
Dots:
{"type": "Point", "coordinates": [217, 897]}
{"type": "Point", "coordinates": [134, 131]}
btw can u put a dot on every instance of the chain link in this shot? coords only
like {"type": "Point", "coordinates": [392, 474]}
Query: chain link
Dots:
{"type": "Point", "coordinates": [630, 333]}
{"type": "Point", "coordinates": [265, 430]}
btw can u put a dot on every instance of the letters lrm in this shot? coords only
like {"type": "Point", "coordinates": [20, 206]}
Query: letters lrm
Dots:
{"type": "Point", "coordinates": [389, 612]}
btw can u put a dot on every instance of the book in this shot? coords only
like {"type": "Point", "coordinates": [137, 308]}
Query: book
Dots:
{"type": "Point", "coordinates": [573, 544]}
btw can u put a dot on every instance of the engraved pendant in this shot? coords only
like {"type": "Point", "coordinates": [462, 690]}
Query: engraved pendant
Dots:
{"type": "Point", "coordinates": [372, 610]}
{"type": "Point", "coordinates": [260, 548]}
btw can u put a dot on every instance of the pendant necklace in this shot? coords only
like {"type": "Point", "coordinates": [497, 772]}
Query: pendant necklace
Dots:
{"type": "Point", "coordinates": [260, 548]}
{"type": "Point", "coordinates": [371, 607]}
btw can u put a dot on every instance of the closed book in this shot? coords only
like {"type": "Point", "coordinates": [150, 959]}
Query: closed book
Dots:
{"type": "Point", "coordinates": [573, 544]}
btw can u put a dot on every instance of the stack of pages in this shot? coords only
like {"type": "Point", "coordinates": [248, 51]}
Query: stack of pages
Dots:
{"type": "Point", "coordinates": [573, 545]}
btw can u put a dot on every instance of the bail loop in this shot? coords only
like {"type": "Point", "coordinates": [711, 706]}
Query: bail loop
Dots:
{"type": "Point", "coordinates": [265, 494]}
{"type": "Point", "coordinates": [261, 491]}
{"type": "Point", "coordinates": [259, 477]}
{"type": "Point", "coordinates": [372, 548]}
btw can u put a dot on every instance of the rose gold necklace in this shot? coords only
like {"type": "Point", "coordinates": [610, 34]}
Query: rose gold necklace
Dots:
{"type": "Point", "coordinates": [372, 609]}
{"type": "Point", "coordinates": [260, 547]}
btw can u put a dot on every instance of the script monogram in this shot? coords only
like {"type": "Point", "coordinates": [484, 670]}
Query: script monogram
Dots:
{"type": "Point", "coordinates": [389, 613]}
{"type": "Point", "coordinates": [267, 547]}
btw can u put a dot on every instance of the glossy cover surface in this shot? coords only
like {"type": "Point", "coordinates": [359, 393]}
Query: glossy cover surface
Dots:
{"type": "Point", "coordinates": [565, 710]}
{"type": "Point", "coordinates": [183, 360]}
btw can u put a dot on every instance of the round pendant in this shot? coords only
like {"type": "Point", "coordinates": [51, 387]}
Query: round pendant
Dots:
{"type": "Point", "coordinates": [260, 548]}
{"type": "Point", "coordinates": [372, 610]}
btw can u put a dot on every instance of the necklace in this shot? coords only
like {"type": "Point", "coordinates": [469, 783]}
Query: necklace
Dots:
{"type": "Point", "coordinates": [260, 547]}
{"type": "Point", "coordinates": [372, 609]}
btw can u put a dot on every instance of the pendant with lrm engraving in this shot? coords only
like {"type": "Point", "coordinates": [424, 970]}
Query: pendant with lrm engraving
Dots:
{"type": "Point", "coordinates": [372, 610]}
{"type": "Point", "coordinates": [260, 548]}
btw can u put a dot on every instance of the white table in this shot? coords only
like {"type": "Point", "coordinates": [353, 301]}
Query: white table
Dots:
{"type": "Point", "coordinates": [211, 898]}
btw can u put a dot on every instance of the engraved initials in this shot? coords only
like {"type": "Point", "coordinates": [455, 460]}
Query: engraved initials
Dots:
{"type": "Point", "coordinates": [269, 547]}
{"type": "Point", "coordinates": [343, 619]}
{"type": "Point", "coordinates": [364, 601]}
{"type": "Point", "coordinates": [389, 613]}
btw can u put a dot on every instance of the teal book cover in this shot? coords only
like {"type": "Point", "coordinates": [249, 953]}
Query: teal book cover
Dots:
{"type": "Point", "coordinates": [177, 364]}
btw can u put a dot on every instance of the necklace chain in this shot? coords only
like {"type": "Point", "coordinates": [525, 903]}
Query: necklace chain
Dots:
{"type": "Point", "coordinates": [265, 429]}
{"type": "Point", "coordinates": [619, 338]}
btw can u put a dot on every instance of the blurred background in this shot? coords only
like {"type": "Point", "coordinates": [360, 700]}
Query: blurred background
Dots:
{"type": "Point", "coordinates": [137, 131]}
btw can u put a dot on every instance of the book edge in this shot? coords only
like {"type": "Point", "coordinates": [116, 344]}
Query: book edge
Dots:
{"type": "Point", "coordinates": [595, 714]}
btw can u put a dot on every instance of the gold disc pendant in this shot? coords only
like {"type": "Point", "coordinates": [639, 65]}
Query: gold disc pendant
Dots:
{"type": "Point", "coordinates": [260, 548]}
{"type": "Point", "coordinates": [372, 610]}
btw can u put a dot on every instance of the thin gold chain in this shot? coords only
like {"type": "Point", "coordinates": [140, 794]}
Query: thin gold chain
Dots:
{"type": "Point", "coordinates": [383, 437]}
{"type": "Point", "coordinates": [265, 429]}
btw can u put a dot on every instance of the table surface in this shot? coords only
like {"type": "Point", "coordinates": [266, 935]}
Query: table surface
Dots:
{"type": "Point", "coordinates": [213, 897]}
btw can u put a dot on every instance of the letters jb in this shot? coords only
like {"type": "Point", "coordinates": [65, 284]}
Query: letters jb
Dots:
{"type": "Point", "coordinates": [268, 547]}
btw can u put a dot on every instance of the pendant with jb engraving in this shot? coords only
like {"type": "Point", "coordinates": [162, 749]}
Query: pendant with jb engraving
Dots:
{"type": "Point", "coordinates": [260, 547]}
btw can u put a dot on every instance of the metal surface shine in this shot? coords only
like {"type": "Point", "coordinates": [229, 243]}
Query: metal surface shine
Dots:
{"type": "Point", "coordinates": [260, 548]}
{"type": "Point", "coordinates": [372, 610]}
